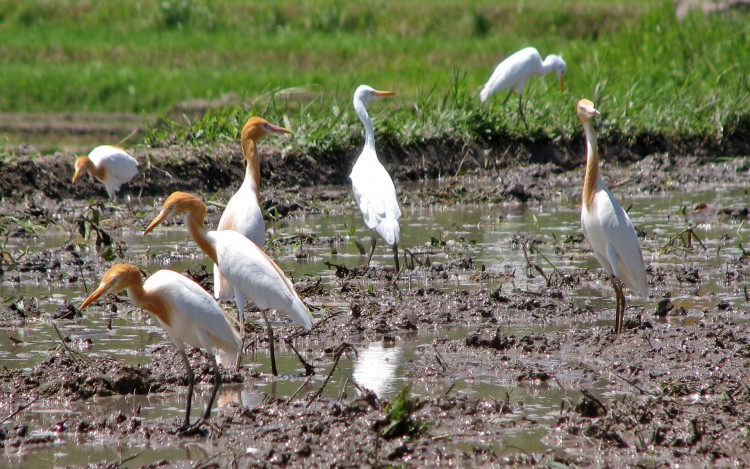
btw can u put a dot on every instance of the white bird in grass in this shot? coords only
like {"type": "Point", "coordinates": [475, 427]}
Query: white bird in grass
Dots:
{"type": "Point", "coordinates": [242, 213]}
{"type": "Point", "coordinates": [372, 186]}
{"type": "Point", "coordinates": [245, 265]}
{"type": "Point", "coordinates": [606, 226]}
{"type": "Point", "coordinates": [184, 309]}
{"type": "Point", "coordinates": [512, 73]}
{"type": "Point", "coordinates": [111, 165]}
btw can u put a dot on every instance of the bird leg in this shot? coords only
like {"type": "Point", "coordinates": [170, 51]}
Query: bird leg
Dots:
{"type": "Point", "coordinates": [620, 311]}
{"type": "Point", "coordinates": [372, 248]}
{"type": "Point", "coordinates": [271, 350]}
{"type": "Point", "coordinates": [520, 111]}
{"type": "Point", "coordinates": [507, 97]}
{"type": "Point", "coordinates": [395, 257]}
{"type": "Point", "coordinates": [215, 391]}
{"type": "Point", "coordinates": [191, 381]}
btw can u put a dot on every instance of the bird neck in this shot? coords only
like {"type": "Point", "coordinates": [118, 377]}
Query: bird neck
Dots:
{"type": "Point", "coordinates": [252, 169]}
{"type": "Point", "coordinates": [194, 221]}
{"type": "Point", "coordinates": [151, 302]}
{"type": "Point", "coordinates": [548, 65]}
{"type": "Point", "coordinates": [592, 176]}
{"type": "Point", "coordinates": [361, 111]}
{"type": "Point", "coordinates": [96, 171]}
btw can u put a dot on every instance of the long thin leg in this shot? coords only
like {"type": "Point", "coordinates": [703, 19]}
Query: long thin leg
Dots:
{"type": "Point", "coordinates": [395, 257]}
{"type": "Point", "coordinates": [271, 349]}
{"type": "Point", "coordinates": [372, 248]}
{"type": "Point", "coordinates": [239, 298]}
{"type": "Point", "coordinates": [620, 311]}
{"type": "Point", "coordinates": [191, 382]}
{"type": "Point", "coordinates": [507, 97]}
{"type": "Point", "coordinates": [520, 111]}
{"type": "Point", "coordinates": [217, 383]}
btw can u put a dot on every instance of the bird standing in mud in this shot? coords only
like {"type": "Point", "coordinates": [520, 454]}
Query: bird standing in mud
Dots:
{"type": "Point", "coordinates": [512, 73]}
{"type": "Point", "coordinates": [111, 165]}
{"type": "Point", "coordinates": [242, 213]}
{"type": "Point", "coordinates": [242, 262]}
{"type": "Point", "coordinates": [606, 226]}
{"type": "Point", "coordinates": [372, 186]}
{"type": "Point", "coordinates": [185, 310]}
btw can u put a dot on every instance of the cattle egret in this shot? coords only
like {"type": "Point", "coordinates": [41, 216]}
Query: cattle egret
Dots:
{"type": "Point", "coordinates": [112, 166]}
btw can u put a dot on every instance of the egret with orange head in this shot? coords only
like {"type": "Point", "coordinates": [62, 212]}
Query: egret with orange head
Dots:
{"type": "Point", "coordinates": [112, 166]}
{"type": "Point", "coordinates": [184, 309]}
{"type": "Point", "coordinates": [606, 226]}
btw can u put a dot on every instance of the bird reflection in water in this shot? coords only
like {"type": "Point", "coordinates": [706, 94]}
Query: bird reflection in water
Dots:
{"type": "Point", "coordinates": [376, 368]}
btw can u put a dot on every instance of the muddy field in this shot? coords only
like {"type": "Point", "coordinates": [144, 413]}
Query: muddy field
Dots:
{"type": "Point", "coordinates": [679, 380]}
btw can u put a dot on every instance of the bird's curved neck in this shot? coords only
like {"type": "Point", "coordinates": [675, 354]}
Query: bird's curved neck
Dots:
{"type": "Point", "coordinates": [96, 171]}
{"type": "Point", "coordinates": [252, 169]}
{"type": "Point", "coordinates": [592, 176]}
{"type": "Point", "coordinates": [146, 300]}
{"type": "Point", "coordinates": [547, 66]}
{"type": "Point", "coordinates": [359, 107]}
{"type": "Point", "coordinates": [194, 221]}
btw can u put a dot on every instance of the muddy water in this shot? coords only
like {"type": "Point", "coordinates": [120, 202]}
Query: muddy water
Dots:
{"type": "Point", "coordinates": [484, 233]}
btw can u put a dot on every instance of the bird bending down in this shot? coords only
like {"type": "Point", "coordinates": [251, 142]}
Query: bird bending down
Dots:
{"type": "Point", "coordinates": [242, 213]}
{"type": "Point", "coordinates": [111, 165]}
{"type": "Point", "coordinates": [372, 186]}
{"type": "Point", "coordinates": [246, 266]}
{"type": "Point", "coordinates": [184, 309]}
{"type": "Point", "coordinates": [512, 73]}
{"type": "Point", "coordinates": [606, 226]}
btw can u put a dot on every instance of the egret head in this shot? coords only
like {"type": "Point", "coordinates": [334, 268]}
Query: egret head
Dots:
{"type": "Point", "coordinates": [82, 166]}
{"type": "Point", "coordinates": [364, 94]}
{"type": "Point", "coordinates": [560, 68]}
{"type": "Point", "coordinates": [256, 128]}
{"type": "Point", "coordinates": [118, 278]}
{"type": "Point", "coordinates": [176, 204]}
{"type": "Point", "coordinates": [586, 110]}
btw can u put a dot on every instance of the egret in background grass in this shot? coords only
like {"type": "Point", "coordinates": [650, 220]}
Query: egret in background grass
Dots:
{"type": "Point", "coordinates": [112, 166]}
{"type": "Point", "coordinates": [242, 213]}
{"type": "Point", "coordinates": [372, 186]}
{"type": "Point", "coordinates": [242, 262]}
{"type": "Point", "coordinates": [511, 74]}
{"type": "Point", "coordinates": [606, 226]}
{"type": "Point", "coordinates": [185, 310]}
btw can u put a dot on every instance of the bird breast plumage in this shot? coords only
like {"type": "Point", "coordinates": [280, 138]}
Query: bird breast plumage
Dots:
{"type": "Point", "coordinates": [375, 193]}
{"type": "Point", "coordinates": [608, 229]}
{"type": "Point", "coordinates": [195, 315]}
{"type": "Point", "coordinates": [250, 270]}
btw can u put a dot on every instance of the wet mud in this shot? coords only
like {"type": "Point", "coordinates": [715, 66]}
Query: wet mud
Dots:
{"type": "Point", "coordinates": [673, 388]}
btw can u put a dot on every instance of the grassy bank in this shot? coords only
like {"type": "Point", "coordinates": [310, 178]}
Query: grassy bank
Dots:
{"type": "Point", "coordinates": [646, 71]}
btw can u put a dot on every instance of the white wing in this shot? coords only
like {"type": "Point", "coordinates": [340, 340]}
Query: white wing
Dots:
{"type": "Point", "coordinates": [615, 242]}
{"type": "Point", "coordinates": [250, 270]}
{"type": "Point", "coordinates": [196, 317]}
{"type": "Point", "coordinates": [375, 195]}
{"type": "Point", "coordinates": [512, 73]}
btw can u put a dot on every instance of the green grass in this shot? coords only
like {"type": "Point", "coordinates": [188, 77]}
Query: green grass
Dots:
{"type": "Point", "coordinates": [644, 70]}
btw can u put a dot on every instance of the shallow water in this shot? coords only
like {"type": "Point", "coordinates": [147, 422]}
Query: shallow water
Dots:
{"type": "Point", "coordinates": [483, 233]}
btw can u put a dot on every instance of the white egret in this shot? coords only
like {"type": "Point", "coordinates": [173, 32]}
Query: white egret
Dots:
{"type": "Point", "coordinates": [184, 309]}
{"type": "Point", "coordinates": [242, 262]}
{"type": "Point", "coordinates": [112, 166]}
{"type": "Point", "coordinates": [242, 213]}
{"type": "Point", "coordinates": [511, 74]}
{"type": "Point", "coordinates": [372, 186]}
{"type": "Point", "coordinates": [607, 226]}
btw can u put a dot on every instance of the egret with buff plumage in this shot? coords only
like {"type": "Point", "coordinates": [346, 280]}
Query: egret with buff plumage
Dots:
{"type": "Point", "coordinates": [606, 226]}
{"type": "Point", "coordinates": [110, 165]}
{"type": "Point", "coordinates": [186, 312]}
{"type": "Point", "coordinates": [243, 263]}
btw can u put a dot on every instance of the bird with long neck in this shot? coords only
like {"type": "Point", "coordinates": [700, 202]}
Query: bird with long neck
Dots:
{"type": "Point", "coordinates": [112, 166]}
{"type": "Point", "coordinates": [372, 186]}
{"type": "Point", "coordinates": [243, 263]}
{"type": "Point", "coordinates": [606, 226]}
{"type": "Point", "coordinates": [188, 314]}
{"type": "Point", "coordinates": [513, 72]}
{"type": "Point", "coordinates": [243, 213]}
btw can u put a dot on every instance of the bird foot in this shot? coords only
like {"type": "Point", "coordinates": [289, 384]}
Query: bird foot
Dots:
{"type": "Point", "coordinates": [194, 429]}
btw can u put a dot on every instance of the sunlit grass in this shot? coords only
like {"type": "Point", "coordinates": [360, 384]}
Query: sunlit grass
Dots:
{"type": "Point", "coordinates": [645, 71]}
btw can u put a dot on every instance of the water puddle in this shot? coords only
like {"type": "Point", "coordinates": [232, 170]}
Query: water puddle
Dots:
{"type": "Point", "coordinates": [483, 233]}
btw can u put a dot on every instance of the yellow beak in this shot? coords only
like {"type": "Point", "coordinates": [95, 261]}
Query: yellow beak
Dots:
{"type": "Point", "coordinates": [103, 288]}
{"type": "Point", "coordinates": [159, 218]}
